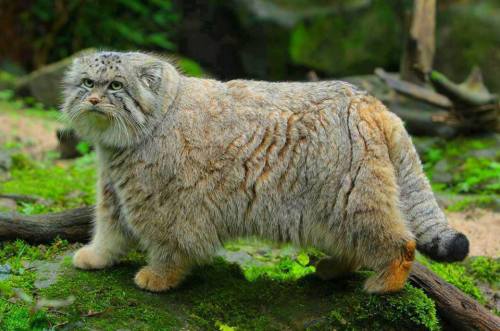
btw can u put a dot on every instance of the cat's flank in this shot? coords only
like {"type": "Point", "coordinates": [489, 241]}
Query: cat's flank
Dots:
{"type": "Point", "coordinates": [186, 164]}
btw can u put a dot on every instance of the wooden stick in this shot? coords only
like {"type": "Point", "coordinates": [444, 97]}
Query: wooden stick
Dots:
{"type": "Point", "coordinates": [413, 90]}
{"type": "Point", "coordinates": [458, 309]}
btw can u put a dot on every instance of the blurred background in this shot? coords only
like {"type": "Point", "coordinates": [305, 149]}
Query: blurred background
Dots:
{"type": "Point", "coordinates": [259, 39]}
{"type": "Point", "coordinates": [436, 64]}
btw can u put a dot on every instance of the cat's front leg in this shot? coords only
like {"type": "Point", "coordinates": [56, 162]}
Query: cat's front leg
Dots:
{"type": "Point", "coordinates": [109, 241]}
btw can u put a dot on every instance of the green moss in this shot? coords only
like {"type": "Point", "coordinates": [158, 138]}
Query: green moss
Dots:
{"type": "Point", "coordinates": [219, 294]}
{"type": "Point", "coordinates": [338, 44]}
{"type": "Point", "coordinates": [486, 269]}
{"type": "Point", "coordinates": [213, 297]}
{"type": "Point", "coordinates": [22, 107]}
{"type": "Point", "coordinates": [20, 318]}
{"type": "Point", "coordinates": [456, 274]}
{"type": "Point", "coordinates": [17, 313]}
{"type": "Point", "coordinates": [63, 186]}
{"type": "Point", "coordinates": [474, 165]}
{"type": "Point", "coordinates": [479, 201]}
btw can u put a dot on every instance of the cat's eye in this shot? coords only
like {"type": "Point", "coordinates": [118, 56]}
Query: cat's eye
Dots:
{"type": "Point", "coordinates": [88, 83]}
{"type": "Point", "coordinates": [115, 85]}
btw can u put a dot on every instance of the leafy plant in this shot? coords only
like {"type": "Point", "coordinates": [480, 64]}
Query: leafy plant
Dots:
{"type": "Point", "coordinates": [56, 29]}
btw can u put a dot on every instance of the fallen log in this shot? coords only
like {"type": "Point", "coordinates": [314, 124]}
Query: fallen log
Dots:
{"type": "Point", "coordinates": [73, 225]}
{"type": "Point", "coordinates": [455, 307]}
{"type": "Point", "coordinates": [459, 310]}
{"type": "Point", "coordinates": [424, 123]}
{"type": "Point", "coordinates": [414, 91]}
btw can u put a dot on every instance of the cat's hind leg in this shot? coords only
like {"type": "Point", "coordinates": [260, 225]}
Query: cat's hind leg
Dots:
{"type": "Point", "coordinates": [391, 275]}
{"type": "Point", "coordinates": [379, 236]}
{"type": "Point", "coordinates": [373, 231]}
{"type": "Point", "coordinates": [110, 240]}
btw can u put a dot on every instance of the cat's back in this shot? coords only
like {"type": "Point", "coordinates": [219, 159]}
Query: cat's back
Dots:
{"type": "Point", "coordinates": [295, 97]}
{"type": "Point", "coordinates": [261, 96]}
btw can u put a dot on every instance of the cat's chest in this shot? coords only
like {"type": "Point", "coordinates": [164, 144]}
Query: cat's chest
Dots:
{"type": "Point", "coordinates": [132, 177]}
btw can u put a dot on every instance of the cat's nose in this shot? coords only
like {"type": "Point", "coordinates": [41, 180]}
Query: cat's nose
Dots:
{"type": "Point", "coordinates": [94, 100]}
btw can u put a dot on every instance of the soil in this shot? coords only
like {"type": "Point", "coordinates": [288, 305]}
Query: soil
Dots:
{"type": "Point", "coordinates": [482, 227]}
{"type": "Point", "coordinates": [35, 135]}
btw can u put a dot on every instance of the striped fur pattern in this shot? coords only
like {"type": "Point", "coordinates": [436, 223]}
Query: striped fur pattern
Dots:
{"type": "Point", "coordinates": [186, 164]}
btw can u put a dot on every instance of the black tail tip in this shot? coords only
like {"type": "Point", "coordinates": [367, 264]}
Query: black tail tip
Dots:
{"type": "Point", "coordinates": [458, 248]}
{"type": "Point", "coordinates": [453, 250]}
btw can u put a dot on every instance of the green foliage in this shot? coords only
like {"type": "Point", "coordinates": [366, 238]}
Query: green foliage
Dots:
{"type": "Point", "coordinates": [20, 318]}
{"type": "Point", "coordinates": [190, 67]}
{"type": "Point", "coordinates": [116, 24]}
{"type": "Point", "coordinates": [285, 269]}
{"type": "Point", "coordinates": [474, 166]}
{"type": "Point", "coordinates": [486, 269]}
{"type": "Point", "coordinates": [62, 185]}
{"type": "Point", "coordinates": [478, 174]}
{"type": "Point", "coordinates": [378, 312]}
{"type": "Point", "coordinates": [456, 274]}
{"type": "Point", "coordinates": [18, 315]}
{"type": "Point", "coordinates": [213, 297]}
{"type": "Point", "coordinates": [25, 107]}
{"type": "Point", "coordinates": [350, 43]}
{"type": "Point", "coordinates": [17, 252]}
{"type": "Point", "coordinates": [6, 95]}
{"type": "Point", "coordinates": [83, 147]}
{"type": "Point", "coordinates": [481, 201]}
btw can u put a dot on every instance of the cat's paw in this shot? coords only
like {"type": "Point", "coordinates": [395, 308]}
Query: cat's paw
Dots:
{"type": "Point", "coordinates": [87, 258]}
{"type": "Point", "coordinates": [149, 280]}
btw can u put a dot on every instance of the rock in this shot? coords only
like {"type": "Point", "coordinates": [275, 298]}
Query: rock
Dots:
{"type": "Point", "coordinates": [5, 161]}
{"type": "Point", "coordinates": [7, 80]}
{"type": "Point", "coordinates": [8, 204]}
{"type": "Point", "coordinates": [240, 258]}
{"type": "Point", "coordinates": [486, 153]}
{"type": "Point", "coordinates": [424, 144]}
{"type": "Point", "coordinates": [47, 272]}
{"type": "Point", "coordinates": [468, 34]}
{"type": "Point", "coordinates": [442, 173]}
{"type": "Point", "coordinates": [5, 271]}
{"type": "Point", "coordinates": [350, 43]}
{"type": "Point", "coordinates": [44, 84]}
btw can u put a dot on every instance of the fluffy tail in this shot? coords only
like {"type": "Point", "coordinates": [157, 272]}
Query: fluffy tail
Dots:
{"type": "Point", "coordinates": [426, 220]}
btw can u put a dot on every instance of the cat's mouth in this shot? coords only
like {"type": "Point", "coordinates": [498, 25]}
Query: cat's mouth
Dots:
{"type": "Point", "coordinates": [96, 110]}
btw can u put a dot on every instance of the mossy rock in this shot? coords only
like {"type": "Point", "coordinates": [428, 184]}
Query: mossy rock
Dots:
{"type": "Point", "coordinates": [219, 295]}
{"type": "Point", "coordinates": [351, 43]}
{"type": "Point", "coordinates": [44, 84]}
{"type": "Point", "coordinates": [468, 34]}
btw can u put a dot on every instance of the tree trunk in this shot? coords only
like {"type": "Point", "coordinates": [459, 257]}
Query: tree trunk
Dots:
{"type": "Point", "coordinates": [418, 54]}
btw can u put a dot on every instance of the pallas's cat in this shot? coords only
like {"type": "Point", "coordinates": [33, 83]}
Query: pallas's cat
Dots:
{"type": "Point", "coordinates": [187, 163]}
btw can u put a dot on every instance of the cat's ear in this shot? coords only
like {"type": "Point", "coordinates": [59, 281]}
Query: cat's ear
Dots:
{"type": "Point", "coordinates": [150, 75]}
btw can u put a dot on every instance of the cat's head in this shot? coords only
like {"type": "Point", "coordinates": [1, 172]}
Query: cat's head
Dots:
{"type": "Point", "coordinates": [115, 98]}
